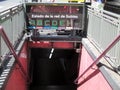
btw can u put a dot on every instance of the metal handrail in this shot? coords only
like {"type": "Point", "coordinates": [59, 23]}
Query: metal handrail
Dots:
{"type": "Point", "coordinates": [100, 56]}
{"type": "Point", "coordinates": [9, 45]}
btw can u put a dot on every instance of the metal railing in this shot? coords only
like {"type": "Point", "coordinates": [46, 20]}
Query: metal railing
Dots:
{"type": "Point", "coordinates": [13, 21]}
{"type": "Point", "coordinates": [98, 58]}
{"type": "Point", "coordinates": [103, 27]}
{"type": "Point", "coordinates": [10, 47]}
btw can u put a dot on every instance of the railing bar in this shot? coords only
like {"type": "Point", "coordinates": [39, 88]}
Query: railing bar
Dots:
{"type": "Point", "coordinates": [102, 55]}
{"type": "Point", "coordinates": [102, 11]}
{"type": "Point", "coordinates": [12, 50]}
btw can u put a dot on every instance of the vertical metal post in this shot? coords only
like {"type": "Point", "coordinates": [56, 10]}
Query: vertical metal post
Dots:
{"type": "Point", "coordinates": [84, 20]}
{"type": "Point", "coordinates": [0, 44]}
{"type": "Point", "coordinates": [0, 49]}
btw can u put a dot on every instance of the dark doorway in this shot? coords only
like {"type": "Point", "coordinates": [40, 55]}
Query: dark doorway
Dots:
{"type": "Point", "coordinates": [53, 69]}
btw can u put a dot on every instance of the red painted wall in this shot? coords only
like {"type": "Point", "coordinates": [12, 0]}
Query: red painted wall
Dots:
{"type": "Point", "coordinates": [94, 78]}
{"type": "Point", "coordinates": [39, 44]}
{"type": "Point", "coordinates": [47, 44]}
{"type": "Point", "coordinates": [63, 45]}
{"type": "Point", "coordinates": [16, 80]}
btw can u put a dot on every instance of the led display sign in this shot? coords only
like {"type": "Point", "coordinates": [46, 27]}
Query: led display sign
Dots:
{"type": "Point", "coordinates": [61, 16]}
{"type": "Point", "coordinates": [55, 16]}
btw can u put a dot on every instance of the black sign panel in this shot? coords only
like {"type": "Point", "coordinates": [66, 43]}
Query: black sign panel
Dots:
{"type": "Point", "coordinates": [55, 17]}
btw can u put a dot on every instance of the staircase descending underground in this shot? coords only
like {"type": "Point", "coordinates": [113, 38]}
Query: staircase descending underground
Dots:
{"type": "Point", "coordinates": [51, 74]}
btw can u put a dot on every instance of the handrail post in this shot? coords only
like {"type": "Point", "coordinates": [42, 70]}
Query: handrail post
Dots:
{"type": "Point", "coordinates": [101, 55]}
{"type": "Point", "coordinates": [9, 45]}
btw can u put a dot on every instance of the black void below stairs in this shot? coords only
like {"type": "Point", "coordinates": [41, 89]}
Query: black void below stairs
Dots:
{"type": "Point", "coordinates": [55, 87]}
{"type": "Point", "coordinates": [57, 73]}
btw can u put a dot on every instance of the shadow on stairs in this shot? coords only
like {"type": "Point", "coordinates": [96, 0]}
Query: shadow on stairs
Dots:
{"type": "Point", "coordinates": [54, 87]}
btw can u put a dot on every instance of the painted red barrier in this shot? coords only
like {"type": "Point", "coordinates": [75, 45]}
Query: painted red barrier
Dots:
{"type": "Point", "coordinates": [100, 56]}
{"type": "Point", "coordinates": [9, 45]}
{"type": "Point", "coordinates": [66, 45]}
{"type": "Point", "coordinates": [93, 79]}
{"type": "Point", "coordinates": [38, 44]}
{"type": "Point", "coordinates": [17, 81]}
{"type": "Point", "coordinates": [46, 44]}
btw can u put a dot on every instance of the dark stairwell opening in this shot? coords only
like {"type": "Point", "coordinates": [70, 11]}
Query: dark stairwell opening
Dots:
{"type": "Point", "coordinates": [53, 69]}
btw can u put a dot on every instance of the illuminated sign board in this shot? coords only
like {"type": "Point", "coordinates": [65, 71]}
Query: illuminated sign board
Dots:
{"type": "Point", "coordinates": [51, 16]}
{"type": "Point", "coordinates": [61, 16]}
